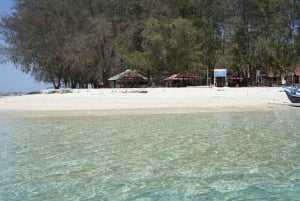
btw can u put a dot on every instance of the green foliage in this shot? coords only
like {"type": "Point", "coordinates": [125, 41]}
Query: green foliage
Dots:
{"type": "Point", "coordinates": [76, 42]}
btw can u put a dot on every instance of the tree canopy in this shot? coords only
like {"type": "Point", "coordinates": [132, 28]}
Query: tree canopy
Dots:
{"type": "Point", "coordinates": [77, 42]}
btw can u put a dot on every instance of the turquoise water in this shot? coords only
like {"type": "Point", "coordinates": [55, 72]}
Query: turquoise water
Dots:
{"type": "Point", "coordinates": [205, 156]}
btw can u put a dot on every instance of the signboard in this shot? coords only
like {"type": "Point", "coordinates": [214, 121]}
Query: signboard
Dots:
{"type": "Point", "coordinates": [257, 73]}
{"type": "Point", "coordinates": [220, 72]}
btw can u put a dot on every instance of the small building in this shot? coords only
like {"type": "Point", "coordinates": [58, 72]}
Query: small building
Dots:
{"type": "Point", "coordinates": [97, 84]}
{"type": "Point", "coordinates": [128, 79]}
{"type": "Point", "coordinates": [296, 76]}
{"type": "Point", "coordinates": [272, 78]}
{"type": "Point", "coordinates": [235, 81]}
{"type": "Point", "coordinates": [181, 80]}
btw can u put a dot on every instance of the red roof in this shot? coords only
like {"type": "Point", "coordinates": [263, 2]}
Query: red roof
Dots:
{"type": "Point", "coordinates": [180, 76]}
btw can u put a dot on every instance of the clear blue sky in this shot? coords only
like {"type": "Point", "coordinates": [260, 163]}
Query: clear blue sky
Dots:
{"type": "Point", "coordinates": [11, 79]}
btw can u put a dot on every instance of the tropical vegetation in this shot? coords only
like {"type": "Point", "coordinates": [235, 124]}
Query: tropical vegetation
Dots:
{"type": "Point", "coordinates": [78, 42]}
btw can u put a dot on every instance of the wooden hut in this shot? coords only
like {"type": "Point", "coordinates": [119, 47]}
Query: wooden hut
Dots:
{"type": "Point", "coordinates": [128, 79]}
{"type": "Point", "coordinates": [235, 81]}
{"type": "Point", "coordinates": [296, 77]}
{"type": "Point", "coordinates": [181, 80]}
{"type": "Point", "coordinates": [271, 78]}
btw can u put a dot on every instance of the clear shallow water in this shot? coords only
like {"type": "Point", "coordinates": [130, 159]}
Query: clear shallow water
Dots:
{"type": "Point", "coordinates": [206, 156]}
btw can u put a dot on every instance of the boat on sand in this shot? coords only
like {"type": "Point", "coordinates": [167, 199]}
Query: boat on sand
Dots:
{"type": "Point", "coordinates": [293, 93]}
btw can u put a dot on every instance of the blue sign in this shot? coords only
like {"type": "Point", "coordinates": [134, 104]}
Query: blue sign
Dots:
{"type": "Point", "coordinates": [220, 72]}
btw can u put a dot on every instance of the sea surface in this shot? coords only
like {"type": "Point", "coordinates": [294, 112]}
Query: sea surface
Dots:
{"type": "Point", "coordinates": [204, 156]}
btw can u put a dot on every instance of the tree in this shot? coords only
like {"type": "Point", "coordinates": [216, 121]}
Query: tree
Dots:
{"type": "Point", "coordinates": [78, 42]}
{"type": "Point", "coordinates": [57, 41]}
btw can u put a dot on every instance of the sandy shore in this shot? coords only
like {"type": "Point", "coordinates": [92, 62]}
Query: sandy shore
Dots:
{"type": "Point", "coordinates": [148, 100]}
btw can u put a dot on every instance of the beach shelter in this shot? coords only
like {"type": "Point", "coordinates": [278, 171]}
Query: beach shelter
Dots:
{"type": "Point", "coordinates": [181, 80]}
{"type": "Point", "coordinates": [296, 77]}
{"type": "Point", "coordinates": [128, 79]}
{"type": "Point", "coordinates": [235, 81]}
{"type": "Point", "coordinates": [272, 78]}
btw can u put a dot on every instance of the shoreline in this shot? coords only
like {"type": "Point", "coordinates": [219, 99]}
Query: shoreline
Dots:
{"type": "Point", "coordinates": [144, 111]}
{"type": "Point", "coordinates": [101, 102]}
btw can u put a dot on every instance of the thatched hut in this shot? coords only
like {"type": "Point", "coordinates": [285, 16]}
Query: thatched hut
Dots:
{"type": "Point", "coordinates": [181, 80]}
{"type": "Point", "coordinates": [296, 76]}
{"type": "Point", "coordinates": [128, 79]}
{"type": "Point", "coordinates": [235, 81]}
{"type": "Point", "coordinates": [271, 78]}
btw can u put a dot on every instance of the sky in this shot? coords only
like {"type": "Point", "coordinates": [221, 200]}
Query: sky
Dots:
{"type": "Point", "coordinates": [11, 79]}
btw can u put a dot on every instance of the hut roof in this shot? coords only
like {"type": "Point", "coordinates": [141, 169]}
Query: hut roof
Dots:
{"type": "Point", "coordinates": [172, 77]}
{"type": "Point", "coordinates": [180, 76]}
{"type": "Point", "coordinates": [128, 74]}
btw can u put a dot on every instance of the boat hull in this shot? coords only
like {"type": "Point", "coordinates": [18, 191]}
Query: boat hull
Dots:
{"type": "Point", "coordinates": [293, 98]}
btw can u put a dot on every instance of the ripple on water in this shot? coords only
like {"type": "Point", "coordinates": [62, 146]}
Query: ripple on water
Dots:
{"type": "Point", "coordinates": [206, 156]}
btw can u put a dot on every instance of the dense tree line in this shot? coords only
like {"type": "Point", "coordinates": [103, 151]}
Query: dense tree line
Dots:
{"type": "Point", "coordinates": [76, 42]}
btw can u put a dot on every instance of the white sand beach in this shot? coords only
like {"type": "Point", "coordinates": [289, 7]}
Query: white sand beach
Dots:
{"type": "Point", "coordinates": [147, 100]}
